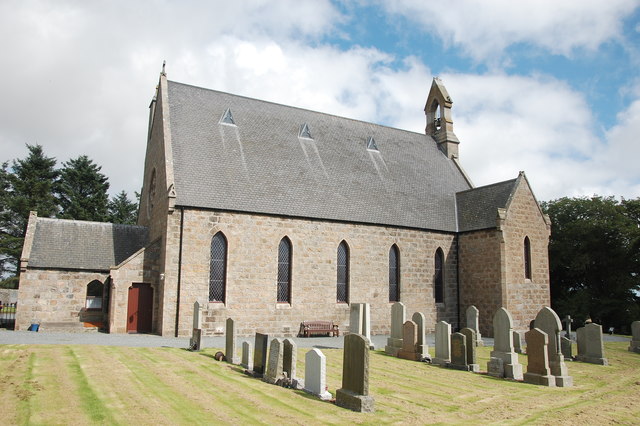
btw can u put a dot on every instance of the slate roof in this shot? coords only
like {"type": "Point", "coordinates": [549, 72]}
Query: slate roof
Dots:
{"type": "Point", "coordinates": [262, 165]}
{"type": "Point", "coordinates": [478, 207]}
{"type": "Point", "coordinates": [72, 244]}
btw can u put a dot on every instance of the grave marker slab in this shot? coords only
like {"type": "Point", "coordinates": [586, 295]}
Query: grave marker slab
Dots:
{"type": "Point", "coordinates": [354, 393]}
{"type": "Point", "coordinates": [290, 358]}
{"type": "Point", "coordinates": [422, 347]}
{"type": "Point", "coordinates": [634, 345]}
{"type": "Point", "coordinates": [409, 342]}
{"type": "Point", "coordinates": [590, 345]}
{"type": "Point", "coordinates": [504, 359]}
{"type": "Point", "coordinates": [315, 367]}
{"type": "Point", "coordinates": [274, 367]}
{"type": "Point", "coordinates": [472, 357]}
{"type": "Point", "coordinates": [360, 320]}
{"type": "Point", "coordinates": [566, 347]}
{"type": "Point", "coordinates": [547, 320]}
{"type": "Point", "coordinates": [260, 354]}
{"type": "Point", "coordinates": [517, 342]}
{"type": "Point", "coordinates": [538, 371]}
{"type": "Point", "coordinates": [230, 342]}
{"type": "Point", "coordinates": [195, 343]}
{"type": "Point", "coordinates": [247, 356]}
{"type": "Point", "coordinates": [458, 352]}
{"type": "Point", "coordinates": [473, 322]}
{"type": "Point", "coordinates": [443, 344]}
{"type": "Point", "coordinates": [394, 343]}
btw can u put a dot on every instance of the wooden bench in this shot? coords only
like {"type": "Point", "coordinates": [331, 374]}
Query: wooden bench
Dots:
{"type": "Point", "coordinates": [307, 328]}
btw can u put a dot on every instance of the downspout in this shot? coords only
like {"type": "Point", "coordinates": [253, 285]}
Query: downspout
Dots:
{"type": "Point", "coordinates": [457, 239]}
{"type": "Point", "coordinates": [179, 271]}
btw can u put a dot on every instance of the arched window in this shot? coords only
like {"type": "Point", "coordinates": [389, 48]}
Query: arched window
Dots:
{"type": "Point", "coordinates": [94, 295]}
{"type": "Point", "coordinates": [218, 268]}
{"type": "Point", "coordinates": [438, 276]}
{"type": "Point", "coordinates": [342, 281]}
{"type": "Point", "coordinates": [527, 258]}
{"type": "Point", "coordinates": [284, 271]}
{"type": "Point", "coordinates": [394, 274]}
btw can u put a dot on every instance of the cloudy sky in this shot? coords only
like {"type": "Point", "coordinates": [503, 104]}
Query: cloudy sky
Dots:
{"type": "Point", "coordinates": [546, 86]}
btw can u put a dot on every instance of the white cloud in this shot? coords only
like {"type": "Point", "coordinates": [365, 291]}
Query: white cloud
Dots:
{"type": "Point", "coordinates": [485, 29]}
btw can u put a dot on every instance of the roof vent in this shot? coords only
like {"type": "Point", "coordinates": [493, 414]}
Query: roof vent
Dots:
{"type": "Point", "coordinates": [371, 144]}
{"type": "Point", "coordinates": [305, 132]}
{"type": "Point", "coordinates": [227, 118]}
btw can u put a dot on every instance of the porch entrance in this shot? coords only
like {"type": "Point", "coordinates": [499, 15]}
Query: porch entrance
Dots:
{"type": "Point", "coordinates": [140, 308]}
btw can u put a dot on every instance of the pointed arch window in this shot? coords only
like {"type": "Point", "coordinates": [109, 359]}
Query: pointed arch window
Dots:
{"type": "Point", "coordinates": [284, 271]}
{"type": "Point", "coordinates": [342, 281]}
{"type": "Point", "coordinates": [394, 274]}
{"type": "Point", "coordinates": [527, 258]}
{"type": "Point", "coordinates": [438, 276]}
{"type": "Point", "coordinates": [95, 291]}
{"type": "Point", "coordinates": [218, 268]}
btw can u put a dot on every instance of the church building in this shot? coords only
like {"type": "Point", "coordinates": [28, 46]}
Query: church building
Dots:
{"type": "Point", "coordinates": [273, 215]}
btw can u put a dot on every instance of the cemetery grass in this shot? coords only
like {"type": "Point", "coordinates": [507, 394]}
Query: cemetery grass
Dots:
{"type": "Point", "coordinates": [83, 384]}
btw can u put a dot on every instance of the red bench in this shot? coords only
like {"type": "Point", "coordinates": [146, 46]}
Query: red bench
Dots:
{"type": "Point", "coordinates": [308, 328]}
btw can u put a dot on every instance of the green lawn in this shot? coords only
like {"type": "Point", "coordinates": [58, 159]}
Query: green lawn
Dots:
{"type": "Point", "coordinates": [74, 384]}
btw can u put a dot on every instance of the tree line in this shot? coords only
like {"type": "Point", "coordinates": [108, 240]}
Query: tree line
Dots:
{"type": "Point", "coordinates": [77, 190]}
{"type": "Point", "coordinates": [594, 259]}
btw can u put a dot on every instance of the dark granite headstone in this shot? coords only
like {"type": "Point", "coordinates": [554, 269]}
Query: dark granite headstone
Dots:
{"type": "Point", "coordinates": [260, 354]}
{"type": "Point", "coordinates": [458, 352]}
{"type": "Point", "coordinates": [354, 393]}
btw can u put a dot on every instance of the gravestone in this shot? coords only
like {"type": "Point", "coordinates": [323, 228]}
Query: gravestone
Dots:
{"type": "Point", "coordinates": [360, 320]}
{"type": "Point", "coordinates": [195, 343]}
{"type": "Point", "coordinates": [443, 344]}
{"type": "Point", "coordinates": [274, 367]}
{"type": "Point", "coordinates": [634, 345]}
{"type": "Point", "coordinates": [247, 356]}
{"type": "Point", "coordinates": [230, 340]}
{"type": "Point", "coordinates": [538, 372]}
{"type": "Point", "coordinates": [472, 357]}
{"type": "Point", "coordinates": [409, 342]}
{"type": "Point", "coordinates": [260, 354]}
{"type": "Point", "coordinates": [315, 367]}
{"type": "Point", "coordinates": [422, 347]}
{"type": "Point", "coordinates": [567, 323]}
{"type": "Point", "coordinates": [458, 352]}
{"type": "Point", "coordinates": [590, 346]}
{"type": "Point", "coordinates": [566, 347]}
{"type": "Point", "coordinates": [517, 342]}
{"type": "Point", "coordinates": [394, 343]}
{"type": "Point", "coordinates": [289, 358]}
{"type": "Point", "coordinates": [473, 316]}
{"type": "Point", "coordinates": [354, 393]}
{"type": "Point", "coordinates": [547, 320]}
{"type": "Point", "coordinates": [504, 359]}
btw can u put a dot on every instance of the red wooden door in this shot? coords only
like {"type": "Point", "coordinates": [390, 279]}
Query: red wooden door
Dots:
{"type": "Point", "coordinates": [140, 308]}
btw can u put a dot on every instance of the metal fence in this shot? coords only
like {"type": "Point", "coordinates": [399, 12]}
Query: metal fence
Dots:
{"type": "Point", "coordinates": [8, 315]}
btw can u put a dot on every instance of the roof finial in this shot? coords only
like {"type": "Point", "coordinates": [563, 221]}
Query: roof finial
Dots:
{"type": "Point", "coordinates": [163, 65]}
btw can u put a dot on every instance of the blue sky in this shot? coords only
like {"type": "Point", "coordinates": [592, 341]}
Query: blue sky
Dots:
{"type": "Point", "coordinates": [548, 87]}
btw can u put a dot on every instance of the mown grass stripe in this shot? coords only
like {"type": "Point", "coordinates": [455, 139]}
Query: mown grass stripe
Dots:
{"type": "Point", "coordinates": [90, 401]}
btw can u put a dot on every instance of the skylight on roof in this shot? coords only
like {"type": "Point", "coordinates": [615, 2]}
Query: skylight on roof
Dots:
{"type": "Point", "coordinates": [371, 144]}
{"type": "Point", "coordinates": [305, 132]}
{"type": "Point", "coordinates": [227, 118]}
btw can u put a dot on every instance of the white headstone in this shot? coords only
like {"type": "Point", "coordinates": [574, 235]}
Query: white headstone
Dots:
{"type": "Point", "coordinates": [423, 347]}
{"type": "Point", "coordinates": [274, 366]}
{"type": "Point", "coordinates": [315, 367]}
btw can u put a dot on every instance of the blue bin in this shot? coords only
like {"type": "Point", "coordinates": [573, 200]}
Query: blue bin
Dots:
{"type": "Point", "coordinates": [34, 327]}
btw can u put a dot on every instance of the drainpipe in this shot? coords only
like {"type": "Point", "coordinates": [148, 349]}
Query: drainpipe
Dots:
{"type": "Point", "coordinates": [457, 240]}
{"type": "Point", "coordinates": [179, 270]}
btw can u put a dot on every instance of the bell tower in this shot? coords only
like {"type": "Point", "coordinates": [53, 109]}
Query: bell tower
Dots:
{"type": "Point", "coordinates": [439, 122]}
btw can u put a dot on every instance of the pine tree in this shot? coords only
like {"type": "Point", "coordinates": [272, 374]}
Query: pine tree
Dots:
{"type": "Point", "coordinates": [30, 184]}
{"type": "Point", "coordinates": [123, 211]}
{"type": "Point", "coordinates": [83, 191]}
